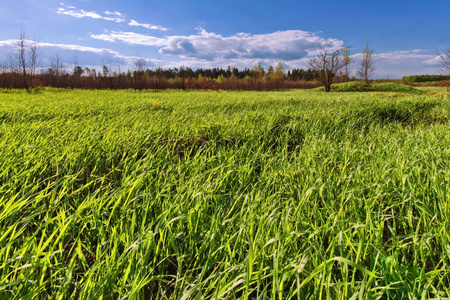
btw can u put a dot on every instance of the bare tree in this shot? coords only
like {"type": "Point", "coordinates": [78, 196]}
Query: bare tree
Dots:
{"type": "Point", "coordinates": [444, 64]}
{"type": "Point", "coordinates": [56, 68]}
{"type": "Point", "coordinates": [77, 71]}
{"type": "Point", "coordinates": [444, 55]}
{"type": "Point", "coordinates": [11, 63]}
{"type": "Point", "coordinates": [33, 58]}
{"type": "Point", "coordinates": [367, 66]}
{"type": "Point", "coordinates": [138, 74]}
{"type": "Point", "coordinates": [22, 57]}
{"type": "Point", "coordinates": [327, 63]}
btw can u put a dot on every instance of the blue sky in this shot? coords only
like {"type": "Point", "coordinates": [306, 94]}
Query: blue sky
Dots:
{"type": "Point", "coordinates": [198, 33]}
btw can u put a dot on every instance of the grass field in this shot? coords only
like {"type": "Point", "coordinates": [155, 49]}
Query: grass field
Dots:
{"type": "Point", "coordinates": [224, 195]}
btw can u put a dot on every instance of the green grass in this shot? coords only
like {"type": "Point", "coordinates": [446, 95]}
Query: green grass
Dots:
{"type": "Point", "coordinates": [361, 86]}
{"type": "Point", "coordinates": [224, 195]}
{"type": "Point", "coordinates": [436, 89]}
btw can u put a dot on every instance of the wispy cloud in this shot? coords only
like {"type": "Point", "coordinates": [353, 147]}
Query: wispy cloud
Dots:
{"type": "Point", "coordinates": [108, 15]}
{"type": "Point", "coordinates": [148, 26]}
{"type": "Point", "coordinates": [399, 63]}
{"type": "Point", "coordinates": [114, 13]}
{"type": "Point", "coordinates": [130, 38]}
{"type": "Point", "coordinates": [405, 56]}
{"type": "Point", "coordinates": [80, 13]}
{"type": "Point", "coordinates": [281, 45]}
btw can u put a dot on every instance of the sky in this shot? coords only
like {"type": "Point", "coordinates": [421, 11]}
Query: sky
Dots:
{"type": "Point", "coordinates": [405, 35]}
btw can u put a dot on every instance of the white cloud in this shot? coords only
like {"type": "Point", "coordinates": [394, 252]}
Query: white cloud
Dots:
{"type": "Point", "coordinates": [396, 64]}
{"type": "Point", "coordinates": [281, 45]}
{"type": "Point", "coordinates": [404, 56]}
{"type": "Point", "coordinates": [114, 16]}
{"type": "Point", "coordinates": [80, 13]}
{"type": "Point", "coordinates": [208, 50]}
{"type": "Point", "coordinates": [434, 61]}
{"type": "Point", "coordinates": [113, 13]}
{"type": "Point", "coordinates": [148, 26]}
{"type": "Point", "coordinates": [86, 55]}
{"type": "Point", "coordinates": [130, 38]}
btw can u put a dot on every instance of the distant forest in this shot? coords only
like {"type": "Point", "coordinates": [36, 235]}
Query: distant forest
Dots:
{"type": "Point", "coordinates": [230, 78]}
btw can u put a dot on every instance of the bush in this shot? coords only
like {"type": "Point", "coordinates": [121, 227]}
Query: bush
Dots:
{"type": "Point", "coordinates": [424, 78]}
{"type": "Point", "coordinates": [361, 86]}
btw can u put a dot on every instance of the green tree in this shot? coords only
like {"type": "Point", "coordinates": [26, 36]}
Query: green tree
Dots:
{"type": "Point", "coordinates": [78, 71]}
{"type": "Point", "coordinates": [279, 71]}
{"type": "Point", "coordinates": [258, 75]}
{"type": "Point", "coordinates": [270, 72]}
{"type": "Point", "coordinates": [279, 75]}
{"type": "Point", "coordinates": [348, 60]}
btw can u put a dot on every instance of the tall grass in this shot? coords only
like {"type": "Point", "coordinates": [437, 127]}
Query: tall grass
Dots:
{"type": "Point", "coordinates": [237, 195]}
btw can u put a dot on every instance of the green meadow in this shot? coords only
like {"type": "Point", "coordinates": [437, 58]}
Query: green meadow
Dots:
{"type": "Point", "coordinates": [224, 195]}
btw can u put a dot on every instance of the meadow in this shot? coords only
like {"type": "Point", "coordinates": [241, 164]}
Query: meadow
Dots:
{"type": "Point", "coordinates": [224, 195]}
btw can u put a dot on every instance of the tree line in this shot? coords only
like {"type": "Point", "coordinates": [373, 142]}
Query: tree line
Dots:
{"type": "Point", "coordinates": [417, 79]}
{"type": "Point", "coordinates": [20, 70]}
{"type": "Point", "coordinates": [256, 78]}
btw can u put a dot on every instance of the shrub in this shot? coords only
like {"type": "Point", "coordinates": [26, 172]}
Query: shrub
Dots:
{"type": "Point", "coordinates": [361, 86]}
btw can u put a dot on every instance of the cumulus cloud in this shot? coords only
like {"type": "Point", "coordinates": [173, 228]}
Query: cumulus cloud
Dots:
{"type": "Point", "coordinates": [281, 45]}
{"type": "Point", "coordinates": [80, 13]}
{"type": "Point", "coordinates": [88, 56]}
{"type": "Point", "coordinates": [148, 26]}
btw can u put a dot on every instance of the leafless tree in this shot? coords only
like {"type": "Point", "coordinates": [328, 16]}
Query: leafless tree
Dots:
{"type": "Point", "coordinates": [11, 63]}
{"type": "Point", "coordinates": [444, 63]}
{"type": "Point", "coordinates": [327, 63]}
{"type": "Point", "coordinates": [367, 67]}
{"type": "Point", "coordinates": [138, 74]}
{"type": "Point", "coordinates": [56, 66]}
{"type": "Point", "coordinates": [33, 58]}
{"type": "Point", "coordinates": [22, 56]}
{"type": "Point", "coordinates": [27, 57]}
{"type": "Point", "coordinates": [444, 55]}
{"type": "Point", "coordinates": [77, 71]}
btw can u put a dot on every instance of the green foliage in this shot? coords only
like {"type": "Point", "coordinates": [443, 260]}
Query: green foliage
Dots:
{"type": "Point", "coordinates": [362, 86]}
{"type": "Point", "coordinates": [424, 78]}
{"type": "Point", "coordinates": [224, 195]}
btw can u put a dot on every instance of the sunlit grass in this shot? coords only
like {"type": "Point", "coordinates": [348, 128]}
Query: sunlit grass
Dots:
{"type": "Point", "coordinates": [184, 195]}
